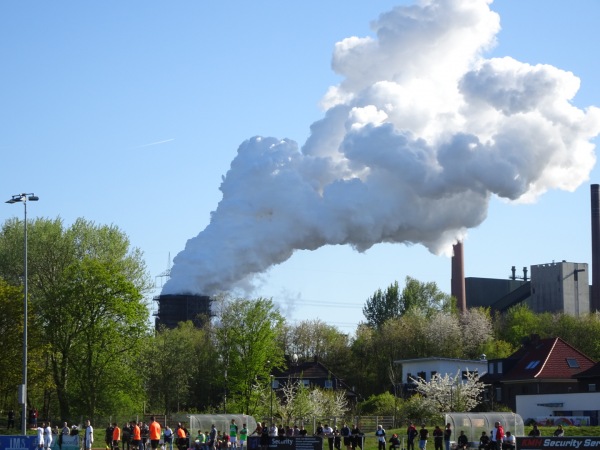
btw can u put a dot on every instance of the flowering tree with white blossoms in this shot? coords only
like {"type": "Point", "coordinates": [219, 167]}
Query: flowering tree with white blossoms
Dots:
{"type": "Point", "coordinates": [451, 393]}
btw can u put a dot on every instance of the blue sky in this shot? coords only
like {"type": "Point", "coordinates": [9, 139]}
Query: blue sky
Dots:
{"type": "Point", "coordinates": [131, 112]}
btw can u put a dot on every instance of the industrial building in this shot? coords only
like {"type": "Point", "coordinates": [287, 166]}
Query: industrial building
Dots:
{"type": "Point", "coordinates": [557, 287]}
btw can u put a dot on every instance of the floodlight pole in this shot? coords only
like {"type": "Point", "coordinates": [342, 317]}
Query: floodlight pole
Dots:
{"type": "Point", "coordinates": [22, 198]}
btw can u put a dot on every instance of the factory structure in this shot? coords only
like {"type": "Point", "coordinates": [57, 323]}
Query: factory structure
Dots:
{"type": "Point", "coordinates": [556, 287]}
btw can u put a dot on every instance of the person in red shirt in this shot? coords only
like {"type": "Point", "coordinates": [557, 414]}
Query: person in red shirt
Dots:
{"type": "Point", "coordinates": [154, 433]}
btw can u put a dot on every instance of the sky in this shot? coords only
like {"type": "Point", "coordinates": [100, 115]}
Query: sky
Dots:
{"type": "Point", "coordinates": [132, 113]}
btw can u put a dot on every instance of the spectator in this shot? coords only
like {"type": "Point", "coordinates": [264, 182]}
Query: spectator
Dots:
{"type": "Point", "coordinates": [559, 432]}
{"type": "Point", "coordinates": [182, 437]}
{"type": "Point", "coordinates": [136, 435]}
{"type": "Point", "coordinates": [328, 433]}
{"type": "Point", "coordinates": [509, 441]}
{"type": "Point", "coordinates": [411, 434]}
{"type": "Point", "coordinates": [438, 438]}
{"type": "Point", "coordinates": [116, 436]}
{"type": "Point", "coordinates": [126, 437]}
{"type": "Point", "coordinates": [463, 441]}
{"type": "Point", "coordinates": [154, 432]}
{"type": "Point", "coordinates": [484, 441]}
{"type": "Point", "coordinates": [423, 436]}
{"type": "Point", "coordinates": [346, 436]}
{"type": "Point", "coordinates": [233, 432]}
{"type": "Point", "coordinates": [88, 436]}
{"type": "Point", "coordinates": [447, 435]}
{"type": "Point", "coordinates": [380, 435]}
{"type": "Point", "coordinates": [337, 442]}
{"type": "Point", "coordinates": [47, 436]}
{"type": "Point", "coordinates": [108, 436]}
{"type": "Point", "coordinates": [394, 442]}
{"type": "Point", "coordinates": [357, 437]}
{"type": "Point", "coordinates": [40, 437]}
{"type": "Point", "coordinates": [168, 438]}
{"type": "Point", "coordinates": [10, 423]}
{"type": "Point", "coordinates": [243, 436]}
{"type": "Point", "coordinates": [535, 431]}
{"type": "Point", "coordinates": [497, 435]}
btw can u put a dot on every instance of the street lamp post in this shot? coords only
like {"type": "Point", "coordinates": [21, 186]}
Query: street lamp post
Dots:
{"type": "Point", "coordinates": [23, 198]}
{"type": "Point", "coordinates": [271, 399]}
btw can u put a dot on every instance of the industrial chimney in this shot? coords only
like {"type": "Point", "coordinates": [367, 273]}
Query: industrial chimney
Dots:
{"type": "Point", "coordinates": [595, 198]}
{"type": "Point", "coordinates": [457, 283]}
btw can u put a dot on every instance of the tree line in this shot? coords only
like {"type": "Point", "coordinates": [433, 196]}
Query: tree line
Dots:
{"type": "Point", "coordinates": [92, 351]}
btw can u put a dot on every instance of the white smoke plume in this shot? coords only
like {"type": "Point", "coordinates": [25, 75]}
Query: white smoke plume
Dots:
{"type": "Point", "coordinates": [418, 136]}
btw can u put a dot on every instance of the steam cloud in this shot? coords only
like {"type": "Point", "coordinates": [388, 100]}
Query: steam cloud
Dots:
{"type": "Point", "coordinates": [415, 140]}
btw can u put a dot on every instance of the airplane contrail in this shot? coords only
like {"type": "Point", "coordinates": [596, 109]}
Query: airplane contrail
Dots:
{"type": "Point", "coordinates": [156, 143]}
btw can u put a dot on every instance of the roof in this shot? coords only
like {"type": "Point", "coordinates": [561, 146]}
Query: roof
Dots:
{"type": "Point", "coordinates": [550, 358]}
{"type": "Point", "coordinates": [435, 358]}
{"type": "Point", "coordinates": [592, 372]}
{"type": "Point", "coordinates": [310, 370]}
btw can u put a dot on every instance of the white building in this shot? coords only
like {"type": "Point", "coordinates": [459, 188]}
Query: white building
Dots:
{"type": "Point", "coordinates": [426, 368]}
{"type": "Point", "coordinates": [573, 405]}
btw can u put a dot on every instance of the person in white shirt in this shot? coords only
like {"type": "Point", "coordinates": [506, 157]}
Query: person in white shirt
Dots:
{"type": "Point", "coordinates": [88, 438]}
{"type": "Point", "coordinates": [328, 432]}
{"type": "Point", "coordinates": [273, 432]}
{"type": "Point", "coordinates": [40, 436]}
{"type": "Point", "coordinates": [47, 436]}
{"type": "Point", "coordinates": [509, 441]}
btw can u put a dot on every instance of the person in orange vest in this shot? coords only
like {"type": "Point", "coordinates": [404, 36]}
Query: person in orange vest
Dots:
{"type": "Point", "coordinates": [136, 436]}
{"type": "Point", "coordinates": [155, 431]}
{"type": "Point", "coordinates": [116, 436]}
{"type": "Point", "coordinates": [181, 437]}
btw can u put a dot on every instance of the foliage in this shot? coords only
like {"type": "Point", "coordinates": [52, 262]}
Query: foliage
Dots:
{"type": "Point", "coordinates": [246, 344]}
{"type": "Point", "coordinates": [384, 404]}
{"type": "Point", "coordinates": [415, 296]}
{"type": "Point", "coordinates": [451, 393]}
{"type": "Point", "coordinates": [383, 306]}
{"type": "Point", "coordinates": [86, 290]}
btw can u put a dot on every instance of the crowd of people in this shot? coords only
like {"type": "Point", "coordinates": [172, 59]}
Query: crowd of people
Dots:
{"type": "Point", "coordinates": [149, 436]}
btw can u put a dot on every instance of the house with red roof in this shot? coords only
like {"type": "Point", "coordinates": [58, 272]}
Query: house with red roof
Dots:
{"type": "Point", "coordinates": [540, 366]}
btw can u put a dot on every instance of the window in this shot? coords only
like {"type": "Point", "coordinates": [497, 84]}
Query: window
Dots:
{"type": "Point", "coordinates": [491, 368]}
{"type": "Point", "coordinates": [409, 378]}
{"type": "Point", "coordinates": [275, 384]}
{"type": "Point", "coordinates": [328, 384]}
{"type": "Point", "coordinates": [532, 364]}
{"type": "Point", "coordinates": [573, 363]}
{"type": "Point", "coordinates": [592, 387]}
{"type": "Point", "coordinates": [499, 366]}
{"type": "Point", "coordinates": [422, 375]}
{"type": "Point", "coordinates": [306, 383]}
{"type": "Point", "coordinates": [433, 374]}
{"type": "Point", "coordinates": [465, 374]}
{"type": "Point", "coordinates": [498, 394]}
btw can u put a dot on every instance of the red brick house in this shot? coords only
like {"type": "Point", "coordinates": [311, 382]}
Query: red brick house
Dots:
{"type": "Point", "coordinates": [540, 366]}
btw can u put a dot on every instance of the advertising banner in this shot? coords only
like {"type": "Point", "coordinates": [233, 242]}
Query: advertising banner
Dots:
{"type": "Point", "coordinates": [565, 443]}
{"type": "Point", "coordinates": [31, 443]}
{"type": "Point", "coordinates": [287, 443]}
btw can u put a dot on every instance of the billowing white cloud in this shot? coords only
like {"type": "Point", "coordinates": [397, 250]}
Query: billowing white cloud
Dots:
{"type": "Point", "coordinates": [416, 138]}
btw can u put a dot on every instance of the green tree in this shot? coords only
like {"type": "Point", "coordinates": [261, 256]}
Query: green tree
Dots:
{"type": "Point", "coordinates": [383, 305]}
{"type": "Point", "coordinates": [425, 297]}
{"type": "Point", "coordinates": [416, 295]}
{"type": "Point", "coordinates": [174, 367]}
{"type": "Point", "coordinates": [520, 322]}
{"type": "Point", "coordinates": [78, 277]}
{"type": "Point", "coordinates": [11, 332]}
{"type": "Point", "coordinates": [247, 337]}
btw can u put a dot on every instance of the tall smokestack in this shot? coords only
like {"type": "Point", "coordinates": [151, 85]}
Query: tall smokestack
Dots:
{"type": "Point", "coordinates": [595, 198]}
{"type": "Point", "coordinates": [457, 284]}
